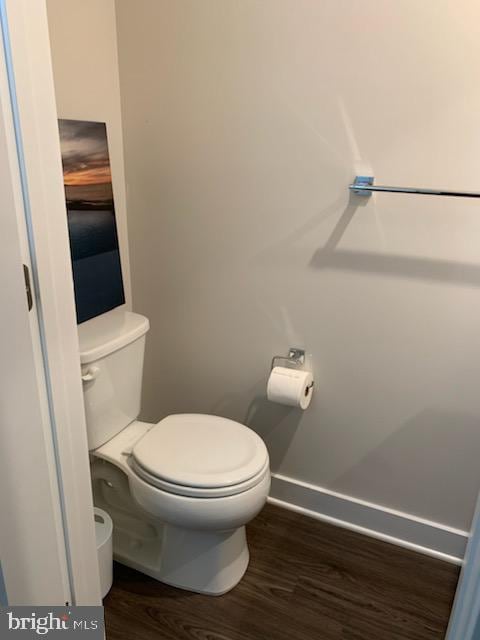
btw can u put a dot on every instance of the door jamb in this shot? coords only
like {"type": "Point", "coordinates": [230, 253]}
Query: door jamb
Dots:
{"type": "Point", "coordinates": [39, 147]}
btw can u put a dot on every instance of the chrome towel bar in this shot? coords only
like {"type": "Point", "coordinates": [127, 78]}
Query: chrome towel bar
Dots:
{"type": "Point", "coordinates": [363, 186]}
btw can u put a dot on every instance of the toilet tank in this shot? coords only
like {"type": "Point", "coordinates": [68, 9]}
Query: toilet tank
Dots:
{"type": "Point", "coordinates": [111, 355]}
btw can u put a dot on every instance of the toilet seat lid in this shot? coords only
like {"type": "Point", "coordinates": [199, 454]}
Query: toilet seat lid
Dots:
{"type": "Point", "coordinates": [197, 450]}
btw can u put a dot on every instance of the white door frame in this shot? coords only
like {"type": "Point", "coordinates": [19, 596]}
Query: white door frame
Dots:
{"type": "Point", "coordinates": [33, 556]}
{"type": "Point", "coordinates": [36, 122]}
{"type": "Point", "coordinates": [27, 54]}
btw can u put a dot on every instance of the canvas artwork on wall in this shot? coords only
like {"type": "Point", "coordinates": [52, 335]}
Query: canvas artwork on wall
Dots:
{"type": "Point", "coordinates": [97, 272]}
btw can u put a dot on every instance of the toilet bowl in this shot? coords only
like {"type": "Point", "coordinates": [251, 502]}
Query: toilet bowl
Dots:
{"type": "Point", "coordinates": [180, 491]}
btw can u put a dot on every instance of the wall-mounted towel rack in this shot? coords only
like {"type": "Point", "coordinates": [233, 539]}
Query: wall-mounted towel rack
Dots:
{"type": "Point", "coordinates": [363, 186]}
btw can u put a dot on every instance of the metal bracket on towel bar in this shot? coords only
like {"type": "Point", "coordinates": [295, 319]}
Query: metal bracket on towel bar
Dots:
{"type": "Point", "coordinates": [364, 186]}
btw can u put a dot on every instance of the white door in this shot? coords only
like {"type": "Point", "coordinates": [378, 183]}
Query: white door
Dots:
{"type": "Point", "coordinates": [32, 543]}
{"type": "Point", "coordinates": [47, 534]}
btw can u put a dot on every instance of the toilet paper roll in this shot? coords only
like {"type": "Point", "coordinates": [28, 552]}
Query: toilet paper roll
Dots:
{"type": "Point", "coordinates": [292, 387]}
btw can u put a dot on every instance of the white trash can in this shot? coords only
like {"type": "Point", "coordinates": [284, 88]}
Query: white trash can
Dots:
{"type": "Point", "coordinates": [103, 534]}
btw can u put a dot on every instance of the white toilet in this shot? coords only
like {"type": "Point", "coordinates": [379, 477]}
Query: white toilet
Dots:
{"type": "Point", "coordinates": [179, 491]}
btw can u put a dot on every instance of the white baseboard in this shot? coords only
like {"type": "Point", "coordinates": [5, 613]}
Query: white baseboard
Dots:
{"type": "Point", "coordinates": [403, 529]}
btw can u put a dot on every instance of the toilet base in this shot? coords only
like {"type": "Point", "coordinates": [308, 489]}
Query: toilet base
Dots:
{"type": "Point", "coordinates": [203, 561]}
{"type": "Point", "coordinates": [211, 563]}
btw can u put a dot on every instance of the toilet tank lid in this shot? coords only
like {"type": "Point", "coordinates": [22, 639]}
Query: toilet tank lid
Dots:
{"type": "Point", "coordinates": [106, 334]}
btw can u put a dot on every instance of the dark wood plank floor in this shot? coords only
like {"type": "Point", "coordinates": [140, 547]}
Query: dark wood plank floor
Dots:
{"type": "Point", "coordinates": [306, 580]}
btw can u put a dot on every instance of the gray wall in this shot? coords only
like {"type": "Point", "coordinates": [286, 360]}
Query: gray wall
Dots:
{"type": "Point", "coordinates": [244, 122]}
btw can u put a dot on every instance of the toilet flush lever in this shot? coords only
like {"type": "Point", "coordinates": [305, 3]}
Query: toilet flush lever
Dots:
{"type": "Point", "coordinates": [90, 374]}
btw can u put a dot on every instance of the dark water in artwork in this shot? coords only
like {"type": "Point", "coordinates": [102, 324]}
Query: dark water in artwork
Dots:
{"type": "Point", "coordinates": [97, 272]}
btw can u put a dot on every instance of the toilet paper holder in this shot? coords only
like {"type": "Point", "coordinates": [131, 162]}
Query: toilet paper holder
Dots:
{"type": "Point", "coordinates": [295, 357]}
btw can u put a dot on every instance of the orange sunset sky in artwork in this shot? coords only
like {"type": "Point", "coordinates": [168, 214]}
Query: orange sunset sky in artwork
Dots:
{"type": "Point", "coordinates": [86, 164]}
{"type": "Point", "coordinates": [87, 176]}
